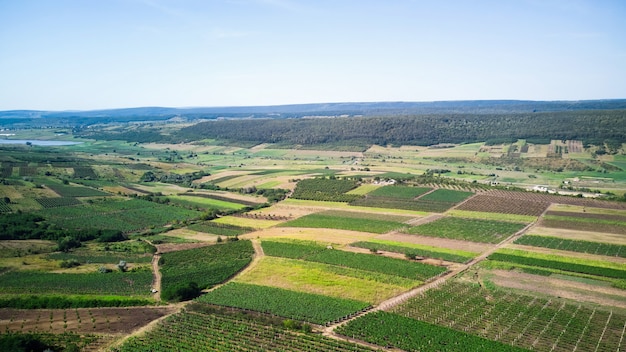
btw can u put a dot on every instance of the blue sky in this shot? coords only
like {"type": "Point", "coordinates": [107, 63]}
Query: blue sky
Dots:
{"type": "Point", "coordinates": [93, 54]}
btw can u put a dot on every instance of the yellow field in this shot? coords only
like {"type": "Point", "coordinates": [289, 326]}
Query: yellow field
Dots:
{"type": "Point", "coordinates": [323, 279]}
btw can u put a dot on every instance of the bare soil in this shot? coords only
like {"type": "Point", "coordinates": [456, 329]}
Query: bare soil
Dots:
{"type": "Point", "coordinates": [578, 235]}
{"type": "Point", "coordinates": [579, 291]}
{"type": "Point", "coordinates": [319, 235]}
{"type": "Point", "coordinates": [619, 260]}
{"type": "Point", "coordinates": [436, 242]}
{"type": "Point", "coordinates": [81, 320]}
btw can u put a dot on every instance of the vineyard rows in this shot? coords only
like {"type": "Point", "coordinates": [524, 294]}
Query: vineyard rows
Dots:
{"type": "Point", "coordinates": [400, 192]}
{"type": "Point", "coordinates": [391, 330]}
{"type": "Point", "coordinates": [4, 207]}
{"type": "Point", "coordinates": [206, 266]}
{"type": "Point", "coordinates": [492, 204]}
{"type": "Point", "coordinates": [190, 331]}
{"type": "Point", "coordinates": [613, 250]}
{"type": "Point", "coordinates": [57, 202]}
{"type": "Point", "coordinates": [475, 230]}
{"type": "Point", "coordinates": [360, 261]}
{"type": "Point", "coordinates": [326, 220]}
{"type": "Point", "coordinates": [33, 282]}
{"type": "Point", "coordinates": [220, 229]}
{"type": "Point", "coordinates": [126, 216]}
{"type": "Point", "coordinates": [322, 189]}
{"type": "Point", "coordinates": [538, 323]}
{"type": "Point", "coordinates": [559, 265]}
{"type": "Point", "coordinates": [301, 306]}
{"type": "Point", "coordinates": [551, 198]}
{"type": "Point", "coordinates": [419, 252]}
{"type": "Point", "coordinates": [75, 191]}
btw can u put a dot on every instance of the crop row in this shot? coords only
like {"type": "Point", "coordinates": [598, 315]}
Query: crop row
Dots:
{"type": "Point", "coordinates": [4, 207]}
{"type": "Point", "coordinates": [220, 229]}
{"type": "Point", "coordinates": [301, 306]}
{"type": "Point", "coordinates": [608, 249]}
{"type": "Point", "coordinates": [216, 332]}
{"type": "Point", "coordinates": [475, 230]}
{"type": "Point", "coordinates": [326, 220]}
{"type": "Point", "coordinates": [221, 198]}
{"type": "Point", "coordinates": [414, 251]}
{"type": "Point", "coordinates": [492, 204]}
{"type": "Point", "coordinates": [57, 202]}
{"type": "Point", "coordinates": [206, 266]}
{"type": "Point", "coordinates": [405, 204]}
{"type": "Point", "coordinates": [572, 223]}
{"type": "Point", "coordinates": [33, 282]}
{"type": "Point", "coordinates": [446, 195]}
{"type": "Point", "coordinates": [559, 265]}
{"type": "Point", "coordinates": [392, 330]}
{"type": "Point", "coordinates": [538, 323]}
{"type": "Point", "coordinates": [325, 190]}
{"type": "Point", "coordinates": [125, 216]}
{"type": "Point", "coordinates": [367, 262]}
{"type": "Point", "coordinates": [401, 192]}
{"type": "Point", "coordinates": [75, 191]}
{"type": "Point", "coordinates": [100, 257]}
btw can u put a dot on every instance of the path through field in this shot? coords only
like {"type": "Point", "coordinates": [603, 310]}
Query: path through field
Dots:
{"type": "Point", "coordinates": [156, 281]}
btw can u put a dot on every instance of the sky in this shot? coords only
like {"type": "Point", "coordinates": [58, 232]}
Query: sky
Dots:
{"type": "Point", "coordinates": [100, 54]}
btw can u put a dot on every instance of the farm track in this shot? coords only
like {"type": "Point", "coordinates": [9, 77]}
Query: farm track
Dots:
{"type": "Point", "coordinates": [156, 282]}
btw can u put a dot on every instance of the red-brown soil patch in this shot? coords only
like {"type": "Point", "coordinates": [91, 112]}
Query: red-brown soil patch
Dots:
{"type": "Point", "coordinates": [81, 320]}
{"type": "Point", "coordinates": [173, 247]}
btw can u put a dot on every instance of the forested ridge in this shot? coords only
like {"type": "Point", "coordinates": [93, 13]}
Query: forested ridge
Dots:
{"type": "Point", "coordinates": [592, 126]}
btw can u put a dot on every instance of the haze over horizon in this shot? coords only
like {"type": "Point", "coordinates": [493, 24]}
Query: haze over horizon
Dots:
{"type": "Point", "coordinates": [86, 55]}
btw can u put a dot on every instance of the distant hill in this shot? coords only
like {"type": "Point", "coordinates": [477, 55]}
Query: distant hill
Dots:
{"type": "Point", "coordinates": [75, 118]}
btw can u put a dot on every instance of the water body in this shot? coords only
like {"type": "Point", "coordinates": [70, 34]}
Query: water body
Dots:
{"type": "Point", "coordinates": [37, 142]}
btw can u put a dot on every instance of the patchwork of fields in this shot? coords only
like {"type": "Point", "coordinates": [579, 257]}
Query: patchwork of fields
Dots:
{"type": "Point", "coordinates": [343, 264]}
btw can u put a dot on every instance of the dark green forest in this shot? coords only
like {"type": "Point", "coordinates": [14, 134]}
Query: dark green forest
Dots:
{"type": "Point", "coordinates": [592, 127]}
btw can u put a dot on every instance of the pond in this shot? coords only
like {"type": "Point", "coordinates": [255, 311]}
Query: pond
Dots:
{"type": "Point", "coordinates": [37, 142]}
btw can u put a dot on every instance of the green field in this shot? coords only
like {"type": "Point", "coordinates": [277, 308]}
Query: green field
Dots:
{"type": "Point", "coordinates": [204, 266]}
{"type": "Point", "coordinates": [302, 306]}
{"type": "Point", "coordinates": [327, 220]}
{"type": "Point", "coordinates": [474, 230]}
{"type": "Point", "coordinates": [367, 262]}
{"type": "Point", "coordinates": [415, 250]}
{"type": "Point", "coordinates": [204, 329]}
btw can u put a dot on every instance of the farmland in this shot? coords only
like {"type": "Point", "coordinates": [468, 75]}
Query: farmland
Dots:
{"type": "Point", "coordinates": [387, 240]}
{"type": "Point", "coordinates": [485, 231]}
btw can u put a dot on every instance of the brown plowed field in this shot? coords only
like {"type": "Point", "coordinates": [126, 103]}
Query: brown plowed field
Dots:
{"type": "Point", "coordinates": [551, 198]}
{"type": "Point", "coordinates": [81, 320]}
{"type": "Point", "coordinates": [496, 204]}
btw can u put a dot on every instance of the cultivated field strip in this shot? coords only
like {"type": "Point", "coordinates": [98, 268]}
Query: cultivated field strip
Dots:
{"type": "Point", "coordinates": [538, 323]}
{"type": "Point", "coordinates": [192, 331]}
{"type": "Point", "coordinates": [486, 202]}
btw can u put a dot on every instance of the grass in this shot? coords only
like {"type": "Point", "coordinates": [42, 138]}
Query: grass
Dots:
{"type": "Point", "coordinates": [326, 279]}
{"type": "Point", "coordinates": [363, 189]}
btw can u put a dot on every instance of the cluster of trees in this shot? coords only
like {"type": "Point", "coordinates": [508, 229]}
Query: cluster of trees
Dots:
{"type": "Point", "coordinates": [184, 179]}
